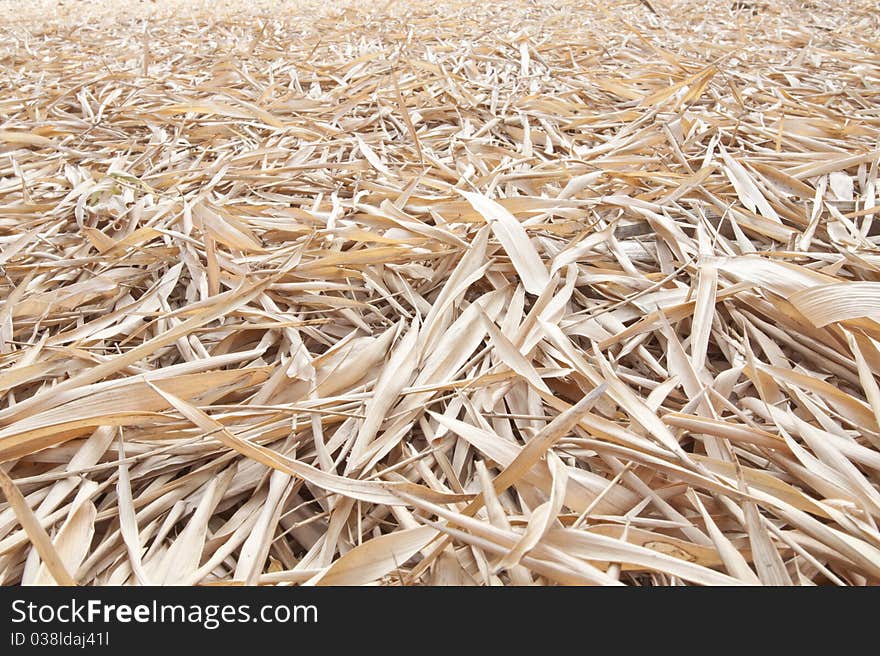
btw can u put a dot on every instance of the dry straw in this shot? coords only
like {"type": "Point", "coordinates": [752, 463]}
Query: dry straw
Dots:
{"type": "Point", "coordinates": [439, 293]}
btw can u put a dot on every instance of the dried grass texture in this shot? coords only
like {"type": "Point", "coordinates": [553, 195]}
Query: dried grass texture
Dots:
{"type": "Point", "coordinates": [440, 293]}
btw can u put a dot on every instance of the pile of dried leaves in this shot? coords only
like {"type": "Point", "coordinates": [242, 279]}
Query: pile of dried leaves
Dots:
{"type": "Point", "coordinates": [449, 292]}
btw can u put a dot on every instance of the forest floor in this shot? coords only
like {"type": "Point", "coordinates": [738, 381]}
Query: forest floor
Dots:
{"type": "Point", "coordinates": [544, 292]}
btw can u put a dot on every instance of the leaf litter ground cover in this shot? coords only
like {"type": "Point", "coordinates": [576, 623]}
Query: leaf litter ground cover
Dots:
{"type": "Point", "coordinates": [543, 292]}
